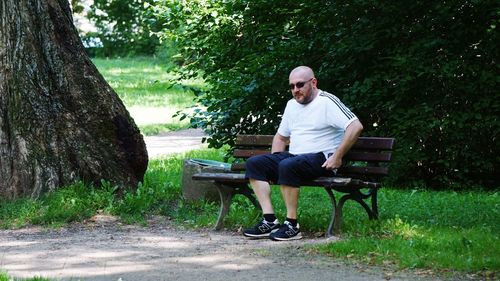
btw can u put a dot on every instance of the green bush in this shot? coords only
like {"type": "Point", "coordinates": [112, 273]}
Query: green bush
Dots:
{"type": "Point", "coordinates": [125, 28]}
{"type": "Point", "coordinates": [425, 73]}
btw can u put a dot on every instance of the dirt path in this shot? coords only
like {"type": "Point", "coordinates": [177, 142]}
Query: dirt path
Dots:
{"type": "Point", "coordinates": [174, 142]}
{"type": "Point", "coordinates": [104, 249]}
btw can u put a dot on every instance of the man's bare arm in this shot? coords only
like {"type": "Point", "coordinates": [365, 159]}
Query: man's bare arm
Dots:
{"type": "Point", "coordinates": [279, 143]}
{"type": "Point", "coordinates": [351, 135]}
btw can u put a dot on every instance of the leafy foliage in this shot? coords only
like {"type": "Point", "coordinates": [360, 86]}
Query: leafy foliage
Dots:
{"type": "Point", "coordinates": [424, 72]}
{"type": "Point", "coordinates": [125, 27]}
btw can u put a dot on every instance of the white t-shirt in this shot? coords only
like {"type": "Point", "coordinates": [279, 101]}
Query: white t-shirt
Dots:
{"type": "Point", "coordinates": [318, 126]}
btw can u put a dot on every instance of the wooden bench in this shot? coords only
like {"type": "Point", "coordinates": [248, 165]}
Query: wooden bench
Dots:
{"type": "Point", "coordinates": [359, 178]}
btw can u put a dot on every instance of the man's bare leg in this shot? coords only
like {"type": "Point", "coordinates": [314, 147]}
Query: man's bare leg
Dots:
{"type": "Point", "coordinates": [262, 190]}
{"type": "Point", "coordinates": [290, 229]}
{"type": "Point", "coordinates": [264, 228]}
{"type": "Point", "coordinates": [291, 197]}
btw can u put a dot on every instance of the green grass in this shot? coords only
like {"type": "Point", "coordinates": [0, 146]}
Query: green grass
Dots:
{"type": "Point", "coordinates": [156, 129]}
{"type": "Point", "coordinates": [5, 277]}
{"type": "Point", "coordinates": [147, 82]}
{"type": "Point", "coordinates": [72, 203]}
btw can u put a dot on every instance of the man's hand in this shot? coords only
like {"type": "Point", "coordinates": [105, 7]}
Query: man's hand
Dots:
{"type": "Point", "coordinates": [350, 137]}
{"type": "Point", "coordinates": [332, 163]}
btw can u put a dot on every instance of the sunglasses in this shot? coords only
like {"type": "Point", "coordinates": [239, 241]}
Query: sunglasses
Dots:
{"type": "Point", "coordinates": [298, 84]}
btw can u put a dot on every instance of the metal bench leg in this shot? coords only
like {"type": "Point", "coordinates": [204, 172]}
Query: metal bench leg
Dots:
{"type": "Point", "coordinates": [373, 193]}
{"type": "Point", "coordinates": [358, 197]}
{"type": "Point", "coordinates": [365, 206]}
{"type": "Point", "coordinates": [343, 199]}
{"type": "Point", "coordinates": [338, 214]}
{"type": "Point", "coordinates": [355, 196]}
{"type": "Point", "coordinates": [329, 231]}
{"type": "Point", "coordinates": [226, 195]}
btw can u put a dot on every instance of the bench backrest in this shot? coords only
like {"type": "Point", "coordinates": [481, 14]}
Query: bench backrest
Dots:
{"type": "Point", "coordinates": [367, 159]}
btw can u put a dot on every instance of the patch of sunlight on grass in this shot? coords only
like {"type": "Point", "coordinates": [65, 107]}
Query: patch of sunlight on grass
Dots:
{"type": "Point", "coordinates": [146, 82]}
{"type": "Point", "coordinates": [398, 227]}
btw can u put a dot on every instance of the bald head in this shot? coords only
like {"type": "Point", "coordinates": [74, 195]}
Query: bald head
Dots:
{"type": "Point", "coordinates": [302, 72]}
{"type": "Point", "coordinates": [303, 84]}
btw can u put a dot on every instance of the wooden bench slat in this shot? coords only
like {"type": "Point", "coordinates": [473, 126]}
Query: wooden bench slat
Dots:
{"type": "Point", "coordinates": [371, 171]}
{"type": "Point", "coordinates": [367, 156]}
{"type": "Point", "coordinates": [340, 181]}
{"type": "Point", "coordinates": [238, 167]}
{"type": "Point", "coordinates": [350, 156]}
{"type": "Point", "coordinates": [368, 171]}
{"type": "Point", "coordinates": [373, 143]}
{"type": "Point", "coordinates": [322, 181]}
{"type": "Point", "coordinates": [247, 153]}
{"type": "Point", "coordinates": [254, 140]}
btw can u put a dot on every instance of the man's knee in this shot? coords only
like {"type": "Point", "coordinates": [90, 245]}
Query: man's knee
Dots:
{"type": "Point", "coordinates": [288, 165]}
{"type": "Point", "coordinates": [252, 163]}
{"type": "Point", "coordinates": [289, 173]}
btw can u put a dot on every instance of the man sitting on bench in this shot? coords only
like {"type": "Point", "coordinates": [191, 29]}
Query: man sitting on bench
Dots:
{"type": "Point", "coordinates": [320, 130]}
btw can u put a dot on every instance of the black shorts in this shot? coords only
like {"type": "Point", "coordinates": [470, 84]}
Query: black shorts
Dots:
{"type": "Point", "coordinates": [287, 169]}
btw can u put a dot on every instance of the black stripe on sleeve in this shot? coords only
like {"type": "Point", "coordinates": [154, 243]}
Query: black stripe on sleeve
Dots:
{"type": "Point", "coordinates": [341, 106]}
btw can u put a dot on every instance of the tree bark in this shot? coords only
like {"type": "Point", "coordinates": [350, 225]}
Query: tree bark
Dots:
{"type": "Point", "coordinates": [60, 121]}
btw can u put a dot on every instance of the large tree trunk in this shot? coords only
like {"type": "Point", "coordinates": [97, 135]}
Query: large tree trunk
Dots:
{"type": "Point", "coordinates": [59, 119]}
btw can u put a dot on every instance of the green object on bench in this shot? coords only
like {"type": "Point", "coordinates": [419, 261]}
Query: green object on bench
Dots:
{"type": "Point", "coordinates": [211, 163]}
{"type": "Point", "coordinates": [366, 164]}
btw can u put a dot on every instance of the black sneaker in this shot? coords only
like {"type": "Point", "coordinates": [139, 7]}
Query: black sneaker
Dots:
{"type": "Point", "coordinates": [262, 229]}
{"type": "Point", "coordinates": [286, 232]}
